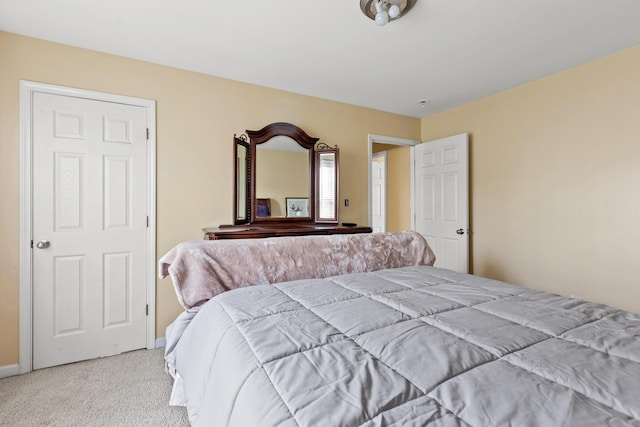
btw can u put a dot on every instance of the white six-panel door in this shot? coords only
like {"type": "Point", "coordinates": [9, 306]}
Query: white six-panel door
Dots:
{"type": "Point", "coordinates": [442, 199]}
{"type": "Point", "coordinates": [379, 192]}
{"type": "Point", "coordinates": [89, 228]}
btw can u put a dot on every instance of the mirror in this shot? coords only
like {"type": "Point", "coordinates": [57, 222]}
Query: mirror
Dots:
{"type": "Point", "coordinates": [283, 182]}
{"type": "Point", "coordinates": [282, 178]}
{"type": "Point", "coordinates": [241, 172]}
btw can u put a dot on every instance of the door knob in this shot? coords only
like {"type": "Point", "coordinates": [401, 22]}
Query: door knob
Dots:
{"type": "Point", "coordinates": [460, 231]}
{"type": "Point", "coordinates": [43, 244]}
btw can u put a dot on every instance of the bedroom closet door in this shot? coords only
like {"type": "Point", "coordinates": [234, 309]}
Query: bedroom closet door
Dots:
{"type": "Point", "coordinates": [89, 228]}
{"type": "Point", "coordinates": [442, 199]}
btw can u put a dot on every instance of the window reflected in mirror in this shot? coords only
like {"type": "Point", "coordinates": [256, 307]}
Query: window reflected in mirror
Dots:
{"type": "Point", "coordinates": [327, 184]}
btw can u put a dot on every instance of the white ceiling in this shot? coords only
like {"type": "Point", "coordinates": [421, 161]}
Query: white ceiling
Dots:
{"type": "Point", "coordinates": [446, 51]}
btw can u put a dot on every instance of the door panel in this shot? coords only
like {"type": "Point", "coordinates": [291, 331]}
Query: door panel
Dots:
{"type": "Point", "coordinates": [117, 192]}
{"type": "Point", "coordinates": [68, 197]}
{"type": "Point", "coordinates": [89, 203]}
{"type": "Point", "coordinates": [69, 290]}
{"type": "Point", "coordinates": [442, 200]}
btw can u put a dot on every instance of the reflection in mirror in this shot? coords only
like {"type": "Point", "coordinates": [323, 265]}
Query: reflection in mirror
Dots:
{"type": "Point", "coordinates": [282, 171]}
{"type": "Point", "coordinates": [275, 172]}
{"type": "Point", "coordinates": [241, 148]}
{"type": "Point", "coordinates": [327, 184]}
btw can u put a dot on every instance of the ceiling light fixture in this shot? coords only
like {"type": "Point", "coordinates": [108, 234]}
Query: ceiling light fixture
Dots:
{"type": "Point", "coordinates": [384, 11]}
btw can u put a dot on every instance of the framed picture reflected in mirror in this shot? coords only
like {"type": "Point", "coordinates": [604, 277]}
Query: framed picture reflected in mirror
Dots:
{"type": "Point", "coordinates": [297, 207]}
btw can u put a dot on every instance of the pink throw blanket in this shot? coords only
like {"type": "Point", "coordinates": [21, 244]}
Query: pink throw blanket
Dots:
{"type": "Point", "coordinates": [201, 269]}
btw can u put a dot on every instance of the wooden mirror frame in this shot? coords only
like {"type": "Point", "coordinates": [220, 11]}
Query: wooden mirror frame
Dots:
{"type": "Point", "coordinates": [241, 141]}
{"type": "Point", "coordinates": [261, 136]}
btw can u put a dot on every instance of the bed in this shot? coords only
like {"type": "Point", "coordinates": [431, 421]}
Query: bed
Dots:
{"type": "Point", "coordinates": [393, 342]}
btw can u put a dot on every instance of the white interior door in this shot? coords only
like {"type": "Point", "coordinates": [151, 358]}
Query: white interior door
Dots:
{"type": "Point", "coordinates": [89, 228]}
{"type": "Point", "coordinates": [442, 199]}
{"type": "Point", "coordinates": [379, 192]}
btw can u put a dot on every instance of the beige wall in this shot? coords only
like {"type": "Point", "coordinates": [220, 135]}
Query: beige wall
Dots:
{"type": "Point", "coordinates": [398, 185]}
{"type": "Point", "coordinates": [555, 180]}
{"type": "Point", "coordinates": [197, 116]}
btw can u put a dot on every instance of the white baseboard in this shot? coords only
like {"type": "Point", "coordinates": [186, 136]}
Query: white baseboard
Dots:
{"type": "Point", "coordinates": [161, 342]}
{"type": "Point", "coordinates": [9, 371]}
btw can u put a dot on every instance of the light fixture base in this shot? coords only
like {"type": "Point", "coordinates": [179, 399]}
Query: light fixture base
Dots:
{"type": "Point", "coordinates": [368, 7]}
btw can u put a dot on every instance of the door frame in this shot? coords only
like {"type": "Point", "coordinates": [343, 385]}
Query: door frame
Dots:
{"type": "Point", "coordinates": [390, 140]}
{"type": "Point", "coordinates": [27, 90]}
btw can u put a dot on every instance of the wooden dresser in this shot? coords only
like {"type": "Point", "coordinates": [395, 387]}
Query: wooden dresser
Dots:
{"type": "Point", "coordinates": [256, 231]}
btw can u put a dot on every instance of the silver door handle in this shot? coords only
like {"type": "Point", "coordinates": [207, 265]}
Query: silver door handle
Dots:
{"type": "Point", "coordinates": [460, 231]}
{"type": "Point", "coordinates": [43, 244]}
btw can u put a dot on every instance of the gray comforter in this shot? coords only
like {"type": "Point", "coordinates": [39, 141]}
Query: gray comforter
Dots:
{"type": "Point", "coordinates": [405, 347]}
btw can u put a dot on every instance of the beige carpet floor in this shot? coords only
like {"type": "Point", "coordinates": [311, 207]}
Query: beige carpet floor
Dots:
{"type": "Point", "coordinates": [130, 389]}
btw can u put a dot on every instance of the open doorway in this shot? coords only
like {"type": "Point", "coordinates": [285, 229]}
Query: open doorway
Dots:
{"type": "Point", "coordinates": [397, 205]}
